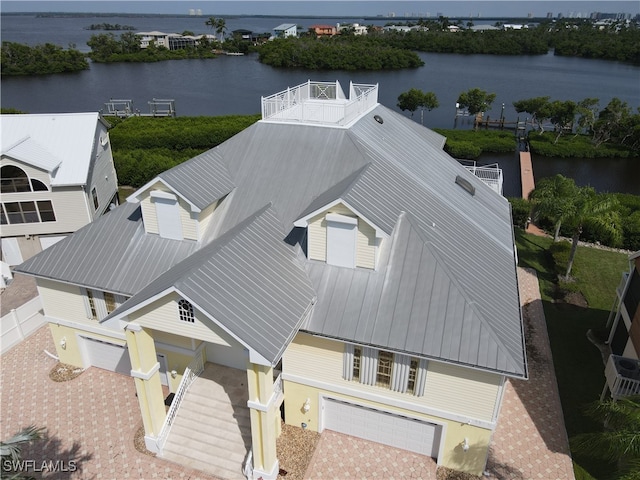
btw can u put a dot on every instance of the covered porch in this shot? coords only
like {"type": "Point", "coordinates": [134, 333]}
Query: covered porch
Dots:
{"type": "Point", "coordinates": [222, 419]}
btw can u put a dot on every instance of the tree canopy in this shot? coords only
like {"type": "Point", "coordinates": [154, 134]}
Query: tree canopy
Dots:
{"type": "Point", "coordinates": [414, 98]}
{"type": "Point", "coordinates": [18, 59]}
{"type": "Point", "coordinates": [476, 100]}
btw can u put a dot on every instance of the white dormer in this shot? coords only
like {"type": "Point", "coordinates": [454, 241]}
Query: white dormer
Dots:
{"type": "Point", "coordinates": [341, 236]}
{"type": "Point", "coordinates": [167, 213]}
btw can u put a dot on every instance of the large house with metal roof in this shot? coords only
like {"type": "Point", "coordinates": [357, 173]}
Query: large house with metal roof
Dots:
{"type": "Point", "coordinates": [329, 266]}
{"type": "Point", "coordinates": [57, 175]}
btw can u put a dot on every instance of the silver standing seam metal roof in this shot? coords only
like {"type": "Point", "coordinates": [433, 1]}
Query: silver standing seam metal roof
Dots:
{"type": "Point", "coordinates": [446, 286]}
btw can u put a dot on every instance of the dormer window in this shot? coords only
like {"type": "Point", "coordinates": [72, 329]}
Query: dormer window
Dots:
{"type": "Point", "coordinates": [168, 214]}
{"type": "Point", "coordinates": [342, 235]}
{"type": "Point", "coordinates": [185, 311]}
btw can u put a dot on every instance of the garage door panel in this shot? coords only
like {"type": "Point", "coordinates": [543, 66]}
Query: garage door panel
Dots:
{"type": "Point", "coordinates": [108, 356]}
{"type": "Point", "coordinates": [382, 427]}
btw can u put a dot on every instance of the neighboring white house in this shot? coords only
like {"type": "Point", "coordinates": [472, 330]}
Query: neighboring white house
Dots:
{"type": "Point", "coordinates": [57, 175]}
{"type": "Point", "coordinates": [170, 41]}
{"type": "Point", "coordinates": [285, 30]}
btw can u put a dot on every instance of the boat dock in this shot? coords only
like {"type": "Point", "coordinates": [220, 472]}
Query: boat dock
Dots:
{"type": "Point", "coordinates": [526, 174]}
{"type": "Point", "coordinates": [123, 108]}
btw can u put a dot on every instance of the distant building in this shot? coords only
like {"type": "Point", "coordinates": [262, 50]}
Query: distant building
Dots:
{"type": "Point", "coordinates": [285, 30]}
{"type": "Point", "coordinates": [170, 41]}
{"type": "Point", "coordinates": [323, 30]}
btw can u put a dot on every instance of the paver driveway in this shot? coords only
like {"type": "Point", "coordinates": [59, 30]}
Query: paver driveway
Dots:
{"type": "Point", "coordinates": [91, 419]}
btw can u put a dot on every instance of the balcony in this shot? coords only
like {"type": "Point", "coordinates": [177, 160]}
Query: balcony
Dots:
{"type": "Point", "coordinates": [623, 376]}
{"type": "Point", "coordinates": [319, 103]}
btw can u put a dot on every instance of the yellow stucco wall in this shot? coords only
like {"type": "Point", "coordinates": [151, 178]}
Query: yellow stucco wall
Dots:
{"type": "Point", "coordinates": [72, 353]}
{"type": "Point", "coordinates": [452, 395]}
{"type": "Point", "coordinates": [453, 433]}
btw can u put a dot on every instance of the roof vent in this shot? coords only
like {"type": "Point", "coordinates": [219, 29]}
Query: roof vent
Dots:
{"type": "Point", "coordinates": [466, 185]}
{"type": "Point", "coordinates": [378, 119]}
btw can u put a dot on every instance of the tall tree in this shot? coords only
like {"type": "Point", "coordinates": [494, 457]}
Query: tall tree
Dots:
{"type": "Point", "coordinates": [476, 100]}
{"type": "Point", "coordinates": [598, 212]}
{"type": "Point", "coordinates": [619, 440]}
{"type": "Point", "coordinates": [561, 114]}
{"type": "Point", "coordinates": [534, 107]}
{"type": "Point", "coordinates": [414, 99]}
{"type": "Point", "coordinates": [553, 198]}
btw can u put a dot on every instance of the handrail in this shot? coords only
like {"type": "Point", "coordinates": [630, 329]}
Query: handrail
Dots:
{"type": "Point", "coordinates": [192, 371]}
{"type": "Point", "coordinates": [247, 469]}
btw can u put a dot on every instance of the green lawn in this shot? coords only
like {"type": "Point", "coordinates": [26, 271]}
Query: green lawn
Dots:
{"type": "Point", "coordinates": [578, 365]}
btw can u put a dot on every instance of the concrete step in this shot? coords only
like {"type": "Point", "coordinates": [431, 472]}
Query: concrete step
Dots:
{"type": "Point", "coordinates": [212, 433]}
{"type": "Point", "coordinates": [217, 464]}
{"type": "Point", "coordinates": [215, 450]}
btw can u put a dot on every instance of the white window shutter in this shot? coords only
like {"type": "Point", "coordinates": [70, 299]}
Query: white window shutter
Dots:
{"type": "Point", "coordinates": [98, 300]}
{"type": "Point", "coordinates": [400, 373]}
{"type": "Point", "coordinates": [120, 299]}
{"type": "Point", "coordinates": [85, 300]}
{"type": "Point", "coordinates": [347, 368]}
{"type": "Point", "coordinates": [421, 377]}
{"type": "Point", "coordinates": [369, 368]}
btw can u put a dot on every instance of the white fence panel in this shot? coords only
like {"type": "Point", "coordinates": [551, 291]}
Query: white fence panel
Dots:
{"type": "Point", "coordinates": [20, 323]}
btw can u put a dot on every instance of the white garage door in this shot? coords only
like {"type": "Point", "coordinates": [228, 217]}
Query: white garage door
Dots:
{"type": "Point", "coordinates": [376, 426]}
{"type": "Point", "coordinates": [108, 356]}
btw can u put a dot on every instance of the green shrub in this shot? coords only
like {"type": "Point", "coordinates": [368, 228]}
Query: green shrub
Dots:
{"type": "Point", "coordinates": [520, 211]}
{"type": "Point", "coordinates": [559, 252]}
{"type": "Point", "coordinates": [462, 149]}
{"type": "Point", "coordinates": [574, 146]}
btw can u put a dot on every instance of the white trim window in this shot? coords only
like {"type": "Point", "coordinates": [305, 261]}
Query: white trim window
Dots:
{"type": "Point", "coordinates": [392, 371]}
{"type": "Point", "coordinates": [185, 311]}
{"type": "Point", "coordinates": [99, 304]}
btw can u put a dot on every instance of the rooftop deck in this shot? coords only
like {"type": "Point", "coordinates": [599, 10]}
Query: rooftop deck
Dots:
{"type": "Point", "coordinates": [320, 103]}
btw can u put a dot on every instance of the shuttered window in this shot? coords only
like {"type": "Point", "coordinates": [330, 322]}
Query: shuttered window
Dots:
{"type": "Point", "coordinates": [393, 371]}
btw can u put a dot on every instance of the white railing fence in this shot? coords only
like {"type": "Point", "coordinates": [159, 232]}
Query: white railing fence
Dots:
{"type": "Point", "coordinates": [323, 102]}
{"type": "Point", "coordinates": [192, 371]}
{"type": "Point", "coordinates": [21, 322]}
{"type": "Point", "coordinates": [623, 376]}
{"type": "Point", "coordinates": [247, 469]}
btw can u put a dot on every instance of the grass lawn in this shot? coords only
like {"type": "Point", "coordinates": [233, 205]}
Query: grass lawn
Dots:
{"type": "Point", "coordinates": [578, 364]}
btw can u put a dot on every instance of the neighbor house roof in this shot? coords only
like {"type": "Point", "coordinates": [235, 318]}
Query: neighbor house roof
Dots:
{"type": "Point", "coordinates": [446, 286]}
{"type": "Point", "coordinates": [47, 141]}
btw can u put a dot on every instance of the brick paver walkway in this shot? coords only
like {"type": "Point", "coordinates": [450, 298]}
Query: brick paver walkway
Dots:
{"type": "Point", "coordinates": [341, 457]}
{"type": "Point", "coordinates": [91, 419]}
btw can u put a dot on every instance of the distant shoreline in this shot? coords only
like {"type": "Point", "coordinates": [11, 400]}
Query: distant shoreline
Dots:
{"type": "Point", "coordinates": [178, 15]}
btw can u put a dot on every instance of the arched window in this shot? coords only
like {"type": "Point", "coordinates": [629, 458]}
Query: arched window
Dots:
{"type": "Point", "coordinates": [185, 311]}
{"type": "Point", "coordinates": [14, 179]}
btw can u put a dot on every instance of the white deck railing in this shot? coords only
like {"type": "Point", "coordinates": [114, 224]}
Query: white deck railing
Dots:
{"type": "Point", "coordinates": [490, 175]}
{"type": "Point", "coordinates": [192, 371]}
{"type": "Point", "coordinates": [319, 102]}
{"type": "Point", "coordinates": [622, 381]}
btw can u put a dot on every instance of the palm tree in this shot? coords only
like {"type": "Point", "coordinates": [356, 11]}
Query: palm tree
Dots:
{"type": "Point", "coordinates": [553, 199]}
{"type": "Point", "coordinates": [596, 210]}
{"type": "Point", "coordinates": [10, 451]}
{"type": "Point", "coordinates": [620, 439]}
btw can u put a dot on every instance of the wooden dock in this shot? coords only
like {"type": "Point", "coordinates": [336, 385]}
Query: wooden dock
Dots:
{"type": "Point", "coordinates": [526, 174]}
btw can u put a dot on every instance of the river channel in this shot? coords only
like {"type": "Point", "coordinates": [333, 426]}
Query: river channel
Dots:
{"type": "Point", "coordinates": [235, 84]}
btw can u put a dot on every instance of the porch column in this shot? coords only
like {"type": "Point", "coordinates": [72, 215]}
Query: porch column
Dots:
{"type": "Point", "coordinates": [145, 370]}
{"type": "Point", "coordinates": [262, 404]}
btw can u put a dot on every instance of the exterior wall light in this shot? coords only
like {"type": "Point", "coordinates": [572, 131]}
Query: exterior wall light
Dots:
{"type": "Point", "coordinates": [307, 405]}
{"type": "Point", "coordinates": [465, 445]}
{"type": "Point", "coordinates": [63, 343]}
{"type": "Point", "coordinates": [174, 374]}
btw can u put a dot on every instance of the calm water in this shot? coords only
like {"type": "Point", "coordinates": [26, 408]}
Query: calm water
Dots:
{"type": "Point", "coordinates": [234, 85]}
